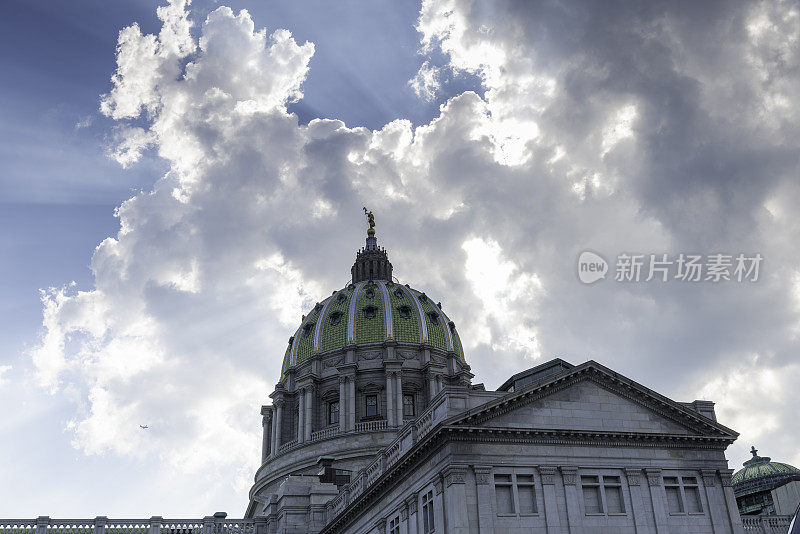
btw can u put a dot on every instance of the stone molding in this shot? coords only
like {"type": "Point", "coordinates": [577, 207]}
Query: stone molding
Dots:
{"type": "Point", "coordinates": [570, 474]}
{"type": "Point", "coordinates": [455, 474]}
{"type": "Point", "coordinates": [726, 475]}
{"type": "Point", "coordinates": [653, 476]}
{"type": "Point", "coordinates": [411, 503]}
{"type": "Point", "coordinates": [547, 474]}
{"type": "Point", "coordinates": [633, 474]}
{"type": "Point", "coordinates": [482, 474]}
{"type": "Point", "coordinates": [709, 477]}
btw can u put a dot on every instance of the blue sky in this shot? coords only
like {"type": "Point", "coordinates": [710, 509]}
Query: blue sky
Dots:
{"type": "Point", "coordinates": [494, 145]}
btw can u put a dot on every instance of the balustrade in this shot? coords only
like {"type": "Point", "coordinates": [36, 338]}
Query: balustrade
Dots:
{"type": "Point", "coordinates": [217, 524]}
{"type": "Point", "coordinates": [766, 524]}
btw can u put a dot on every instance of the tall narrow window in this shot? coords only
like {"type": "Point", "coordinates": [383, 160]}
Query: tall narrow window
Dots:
{"type": "Point", "coordinates": [673, 490]}
{"type": "Point", "coordinates": [394, 526]}
{"type": "Point", "coordinates": [504, 494]}
{"type": "Point", "coordinates": [526, 493]}
{"type": "Point", "coordinates": [592, 502]}
{"type": "Point", "coordinates": [408, 405]}
{"type": "Point", "coordinates": [333, 412]}
{"type": "Point", "coordinates": [692, 493]}
{"type": "Point", "coordinates": [428, 525]}
{"type": "Point", "coordinates": [370, 405]}
{"type": "Point", "coordinates": [613, 493]}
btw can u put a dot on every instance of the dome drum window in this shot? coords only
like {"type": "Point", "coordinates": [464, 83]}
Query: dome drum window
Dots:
{"type": "Point", "coordinates": [405, 312]}
{"type": "Point", "coordinates": [370, 312]}
{"type": "Point", "coordinates": [336, 318]}
{"type": "Point", "coordinates": [308, 328]}
{"type": "Point", "coordinates": [399, 293]}
{"type": "Point", "coordinates": [341, 298]}
{"type": "Point", "coordinates": [434, 317]}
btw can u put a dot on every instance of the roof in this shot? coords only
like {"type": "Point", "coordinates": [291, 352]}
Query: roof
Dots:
{"type": "Point", "coordinates": [761, 473]}
{"type": "Point", "coordinates": [535, 374]}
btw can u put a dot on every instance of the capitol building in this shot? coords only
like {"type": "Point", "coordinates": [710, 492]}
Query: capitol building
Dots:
{"type": "Point", "coordinates": [377, 427]}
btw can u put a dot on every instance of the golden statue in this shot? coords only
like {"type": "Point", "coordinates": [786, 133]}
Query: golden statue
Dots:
{"type": "Point", "coordinates": [371, 221]}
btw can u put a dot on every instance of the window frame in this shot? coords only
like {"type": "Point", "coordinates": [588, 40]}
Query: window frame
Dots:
{"type": "Point", "coordinates": [394, 525]}
{"type": "Point", "coordinates": [426, 507]}
{"type": "Point", "coordinates": [514, 483]}
{"type": "Point", "coordinates": [601, 485]}
{"type": "Point", "coordinates": [413, 405]}
{"type": "Point", "coordinates": [681, 484]}
{"type": "Point", "coordinates": [377, 413]}
{"type": "Point", "coordinates": [331, 411]}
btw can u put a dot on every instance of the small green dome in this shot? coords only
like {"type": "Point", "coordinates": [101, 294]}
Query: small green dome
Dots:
{"type": "Point", "coordinates": [373, 311]}
{"type": "Point", "coordinates": [761, 468]}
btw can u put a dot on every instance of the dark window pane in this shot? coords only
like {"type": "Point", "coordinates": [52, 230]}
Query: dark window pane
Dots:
{"type": "Point", "coordinates": [589, 480]}
{"type": "Point", "coordinates": [371, 405]}
{"type": "Point", "coordinates": [502, 479]}
{"type": "Point", "coordinates": [524, 479]}
{"type": "Point", "coordinates": [333, 413]}
{"type": "Point", "coordinates": [408, 405]}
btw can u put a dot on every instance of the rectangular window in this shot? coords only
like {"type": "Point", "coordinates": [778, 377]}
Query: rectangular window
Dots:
{"type": "Point", "coordinates": [692, 493]}
{"type": "Point", "coordinates": [592, 502]}
{"type": "Point", "coordinates": [394, 526]}
{"type": "Point", "coordinates": [504, 493]}
{"type": "Point", "coordinates": [673, 491]}
{"type": "Point", "coordinates": [514, 494]}
{"type": "Point", "coordinates": [370, 406]}
{"type": "Point", "coordinates": [408, 405]}
{"type": "Point", "coordinates": [428, 525]}
{"type": "Point", "coordinates": [612, 487]}
{"type": "Point", "coordinates": [333, 412]}
{"type": "Point", "coordinates": [526, 494]}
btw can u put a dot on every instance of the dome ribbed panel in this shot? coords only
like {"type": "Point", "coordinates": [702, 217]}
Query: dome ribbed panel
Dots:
{"type": "Point", "coordinates": [406, 329]}
{"type": "Point", "coordinates": [334, 336]}
{"type": "Point", "coordinates": [305, 346]}
{"type": "Point", "coordinates": [370, 330]}
{"type": "Point", "coordinates": [763, 469]}
{"type": "Point", "coordinates": [437, 328]}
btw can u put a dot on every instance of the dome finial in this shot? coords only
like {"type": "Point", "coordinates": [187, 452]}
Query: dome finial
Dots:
{"type": "Point", "coordinates": [754, 451]}
{"type": "Point", "coordinates": [371, 221]}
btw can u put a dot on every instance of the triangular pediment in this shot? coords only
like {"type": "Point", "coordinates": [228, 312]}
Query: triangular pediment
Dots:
{"type": "Point", "coordinates": [591, 398]}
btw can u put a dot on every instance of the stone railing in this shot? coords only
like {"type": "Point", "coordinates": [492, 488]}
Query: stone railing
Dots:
{"type": "Point", "coordinates": [325, 433]}
{"type": "Point", "coordinates": [406, 438]}
{"type": "Point", "coordinates": [767, 524]}
{"type": "Point", "coordinates": [216, 524]}
{"type": "Point", "coordinates": [369, 426]}
{"type": "Point", "coordinates": [289, 445]}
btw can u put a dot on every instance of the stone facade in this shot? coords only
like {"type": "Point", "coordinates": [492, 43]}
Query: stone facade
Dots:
{"type": "Point", "coordinates": [582, 450]}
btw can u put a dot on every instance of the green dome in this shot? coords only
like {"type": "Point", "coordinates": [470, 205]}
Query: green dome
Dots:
{"type": "Point", "coordinates": [372, 311]}
{"type": "Point", "coordinates": [761, 469]}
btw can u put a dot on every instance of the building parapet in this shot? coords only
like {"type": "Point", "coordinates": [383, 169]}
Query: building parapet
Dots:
{"type": "Point", "coordinates": [766, 524]}
{"type": "Point", "coordinates": [214, 524]}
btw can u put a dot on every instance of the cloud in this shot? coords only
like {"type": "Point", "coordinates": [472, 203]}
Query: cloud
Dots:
{"type": "Point", "coordinates": [624, 130]}
{"type": "Point", "coordinates": [426, 82]}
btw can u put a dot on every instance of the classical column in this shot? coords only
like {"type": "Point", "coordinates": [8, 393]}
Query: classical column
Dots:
{"type": "Point", "coordinates": [483, 483]}
{"type": "Point", "coordinates": [301, 415]}
{"type": "Point", "coordinates": [657, 496]}
{"type": "Point", "coordinates": [456, 499]}
{"type": "Point", "coordinates": [730, 500]}
{"type": "Point", "coordinates": [266, 432]}
{"type": "Point", "coordinates": [413, 518]}
{"type": "Point", "coordinates": [633, 476]}
{"type": "Point", "coordinates": [343, 412]}
{"type": "Point", "coordinates": [389, 400]}
{"type": "Point", "coordinates": [399, 396]}
{"type": "Point", "coordinates": [278, 425]}
{"type": "Point", "coordinates": [309, 412]}
{"type": "Point", "coordinates": [547, 474]}
{"type": "Point", "coordinates": [351, 404]}
{"type": "Point", "coordinates": [574, 517]}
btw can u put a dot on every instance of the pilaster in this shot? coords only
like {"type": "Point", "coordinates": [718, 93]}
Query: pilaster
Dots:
{"type": "Point", "coordinates": [634, 477]}
{"type": "Point", "coordinates": [483, 487]}
{"type": "Point", "coordinates": [547, 475]}
{"type": "Point", "coordinates": [574, 517]}
{"type": "Point", "coordinates": [658, 498]}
